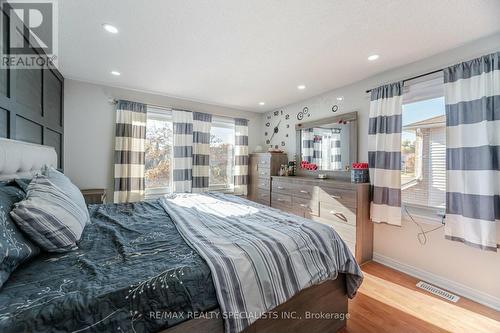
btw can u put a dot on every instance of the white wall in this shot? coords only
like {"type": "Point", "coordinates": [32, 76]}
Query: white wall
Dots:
{"type": "Point", "coordinates": [471, 268]}
{"type": "Point", "coordinates": [89, 125]}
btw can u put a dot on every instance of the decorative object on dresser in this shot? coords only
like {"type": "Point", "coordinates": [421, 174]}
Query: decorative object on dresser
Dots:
{"type": "Point", "coordinates": [339, 203]}
{"type": "Point", "coordinates": [94, 196]}
{"type": "Point", "coordinates": [261, 167]}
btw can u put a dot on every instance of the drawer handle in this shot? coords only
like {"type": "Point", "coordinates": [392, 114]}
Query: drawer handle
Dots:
{"type": "Point", "coordinates": [304, 205]}
{"type": "Point", "coordinates": [280, 187]}
{"type": "Point", "coordinates": [336, 196]}
{"type": "Point", "coordinates": [280, 199]}
{"type": "Point", "coordinates": [302, 191]}
{"type": "Point", "coordinates": [263, 173]}
{"type": "Point", "coordinates": [262, 184]}
{"type": "Point", "coordinates": [339, 215]}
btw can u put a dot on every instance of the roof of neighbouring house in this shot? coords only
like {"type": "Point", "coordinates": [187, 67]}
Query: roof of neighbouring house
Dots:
{"type": "Point", "coordinates": [438, 121]}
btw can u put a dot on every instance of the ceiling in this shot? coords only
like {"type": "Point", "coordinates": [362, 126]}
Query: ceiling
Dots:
{"type": "Point", "coordinates": [238, 53]}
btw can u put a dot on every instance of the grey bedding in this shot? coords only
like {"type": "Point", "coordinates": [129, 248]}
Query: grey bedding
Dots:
{"type": "Point", "coordinates": [259, 257]}
{"type": "Point", "coordinates": [133, 272]}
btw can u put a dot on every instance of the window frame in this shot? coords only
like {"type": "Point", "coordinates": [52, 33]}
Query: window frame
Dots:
{"type": "Point", "coordinates": [422, 89]}
{"type": "Point", "coordinates": [156, 113]}
{"type": "Point", "coordinates": [224, 122]}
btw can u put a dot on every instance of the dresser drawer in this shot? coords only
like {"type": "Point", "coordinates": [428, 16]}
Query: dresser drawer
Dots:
{"type": "Point", "coordinates": [281, 200]}
{"type": "Point", "coordinates": [288, 209]}
{"type": "Point", "coordinates": [263, 171]}
{"type": "Point", "coordinates": [263, 197]}
{"type": "Point", "coordinates": [346, 231]}
{"type": "Point", "coordinates": [337, 196]}
{"type": "Point", "coordinates": [309, 206]}
{"type": "Point", "coordinates": [337, 213]}
{"type": "Point", "coordinates": [298, 190]}
{"type": "Point", "coordinates": [263, 183]}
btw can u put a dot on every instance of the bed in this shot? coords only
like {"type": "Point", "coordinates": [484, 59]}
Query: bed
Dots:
{"type": "Point", "coordinates": [134, 271]}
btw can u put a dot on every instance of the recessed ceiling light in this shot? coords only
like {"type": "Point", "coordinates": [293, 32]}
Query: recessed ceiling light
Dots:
{"type": "Point", "coordinates": [340, 98]}
{"type": "Point", "coordinates": [110, 28]}
{"type": "Point", "coordinates": [262, 103]}
{"type": "Point", "coordinates": [301, 87]}
{"type": "Point", "coordinates": [373, 57]}
{"type": "Point", "coordinates": [116, 73]}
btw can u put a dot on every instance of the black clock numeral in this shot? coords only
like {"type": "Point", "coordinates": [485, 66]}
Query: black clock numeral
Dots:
{"type": "Point", "coordinates": [268, 142]}
{"type": "Point", "coordinates": [300, 116]}
{"type": "Point", "coordinates": [282, 143]}
{"type": "Point", "coordinates": [268, 124]}
{"type": "Point", "coordinates": [281, 112]}
{"type": "Point", "coordinates": [286, 135]}
{"type": "Point", "coordinates": [335, 108]}
{"type": "Point", "coordinates": [305, 110]}
{"type": "Point", "coordinates": [276, 113]}
{"type": "Point", "coordinates": [265, 133]}
{"type": "Point", "coordinates": [276, 146]}
{"type": "Point", "coordinates": [287, 125]}
{"type": "Point", "coordinates": [287, 117]}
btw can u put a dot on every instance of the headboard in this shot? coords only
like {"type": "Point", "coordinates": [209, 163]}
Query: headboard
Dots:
{"type": "Point", "coordinates": [20, 159]}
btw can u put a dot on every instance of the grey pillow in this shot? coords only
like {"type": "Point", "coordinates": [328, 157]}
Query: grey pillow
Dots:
{"type": "Point", "coordinates": [49, 216]}
{"type": "Point", "coordinates": [60, 180]}
{"type": "Point", "coordinates": [15, 248]}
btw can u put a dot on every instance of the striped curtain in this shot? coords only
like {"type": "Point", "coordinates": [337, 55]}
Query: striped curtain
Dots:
{"type": "Point", "coordinates": [240, 156]}
{"type": "Point", "coordinates": [317, 153]}
{"type": "Point", "coordinates": [472, 96]}
{"type": "Point", "coordinates": [384, 153]}
{"type": "Point", "coordinates": [307, 145]}
{"type": "Point", "coordinates": [130, 136]}
{"type": "Point", "coordinates": [183, 150]}
{"type": "Point", "coordinates": [202, 122]}
{"type": "Point", "coordinates": [336, 157]}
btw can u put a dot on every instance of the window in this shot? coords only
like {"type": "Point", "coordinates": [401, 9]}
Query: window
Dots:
{"type": "Point", "coordinates": [423, 146]}
{"type": "Point", "coordinates": [158, 163]}
{"type": "Point", "coordinates": [221, 154]}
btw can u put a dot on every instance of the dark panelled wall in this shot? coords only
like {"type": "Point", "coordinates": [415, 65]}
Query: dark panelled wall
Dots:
{"type": "Point", "coordinates": [31, 102]}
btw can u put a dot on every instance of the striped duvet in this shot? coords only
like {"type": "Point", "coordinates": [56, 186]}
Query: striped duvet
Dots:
{"type": "Point", "coordinates": [259, 257]}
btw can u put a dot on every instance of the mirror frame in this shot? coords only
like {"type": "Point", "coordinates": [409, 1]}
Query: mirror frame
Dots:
{"type": "Point", "coordinates": [353, 137]}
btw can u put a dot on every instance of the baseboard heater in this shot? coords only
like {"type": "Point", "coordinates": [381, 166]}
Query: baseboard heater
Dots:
{"type": "Point", "coordinates": [438, 291]}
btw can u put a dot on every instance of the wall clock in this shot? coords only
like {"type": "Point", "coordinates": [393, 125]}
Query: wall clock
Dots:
{"type": "Point", "coordinates": [278, 126]}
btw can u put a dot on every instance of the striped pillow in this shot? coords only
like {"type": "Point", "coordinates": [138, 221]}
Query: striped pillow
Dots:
{"type": "Point", "coordinates": [49, 216]}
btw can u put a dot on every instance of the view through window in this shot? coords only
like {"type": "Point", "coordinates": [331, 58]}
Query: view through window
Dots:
{"type": "Point", "coordinates": [158, 164]}
{"type": "Point", "coordinates": [423, 153]}
{"type": "Point", "coordinates": [221, 155]}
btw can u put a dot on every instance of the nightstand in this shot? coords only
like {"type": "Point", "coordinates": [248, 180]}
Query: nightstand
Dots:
{"type": "Point", "coordinates": [94, 196]}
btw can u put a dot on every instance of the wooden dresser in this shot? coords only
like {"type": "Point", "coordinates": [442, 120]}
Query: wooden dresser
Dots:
{"type": "Point", "coordinates": [341, 204]}
{"type": "Point", "coordinates": [261, 167]}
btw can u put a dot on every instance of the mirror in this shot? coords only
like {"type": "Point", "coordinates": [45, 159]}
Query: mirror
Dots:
{"type": "Point", "coordinates": [328, 144]}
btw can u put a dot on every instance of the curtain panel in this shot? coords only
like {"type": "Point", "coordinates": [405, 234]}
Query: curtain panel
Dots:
{"type": "Point", "coordinates": [130, 136]}
{"type": "Point", "coordinates": [202, 122]}
{"type": "Point", "coordinates": [336, 153]}
{"type": "Point", "coordinates": [240, 156]}
{"type": "Point", "coordinates": [384, 153]}
{"type": "Point", "coordinates": [472, 98]}
{"type": "Point", "coordinates": [307, 145]}
{"type": "Point", "coordinates": [183, 150]}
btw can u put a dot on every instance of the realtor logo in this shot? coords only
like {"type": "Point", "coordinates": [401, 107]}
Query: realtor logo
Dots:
{"type": "Point", "coordinates": [32, 33]}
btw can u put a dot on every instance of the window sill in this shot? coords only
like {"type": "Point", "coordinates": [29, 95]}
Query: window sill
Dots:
{"type": "Point", "coordinates": [424, 214]}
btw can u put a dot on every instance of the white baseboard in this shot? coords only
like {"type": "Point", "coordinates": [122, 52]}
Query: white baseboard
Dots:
{"type": "Point", "coordinates": [455, 287]}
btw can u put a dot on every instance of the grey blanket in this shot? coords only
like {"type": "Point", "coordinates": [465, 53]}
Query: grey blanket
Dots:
{"type": "Point", "coordinates": [259, 256]}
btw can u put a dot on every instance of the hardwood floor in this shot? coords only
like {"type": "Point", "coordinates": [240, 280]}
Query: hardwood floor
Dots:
{"type": "Point", "coordinates": [389, 301]}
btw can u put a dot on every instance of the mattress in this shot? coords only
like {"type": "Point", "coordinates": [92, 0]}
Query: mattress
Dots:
{"type": "Point", "coordinates": [132, 272]}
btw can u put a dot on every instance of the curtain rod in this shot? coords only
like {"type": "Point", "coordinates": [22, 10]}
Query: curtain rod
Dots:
{"type": "Point", "coordinates": [415, 77]}
{"type": "Point", "coordinates": [162, 107]}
